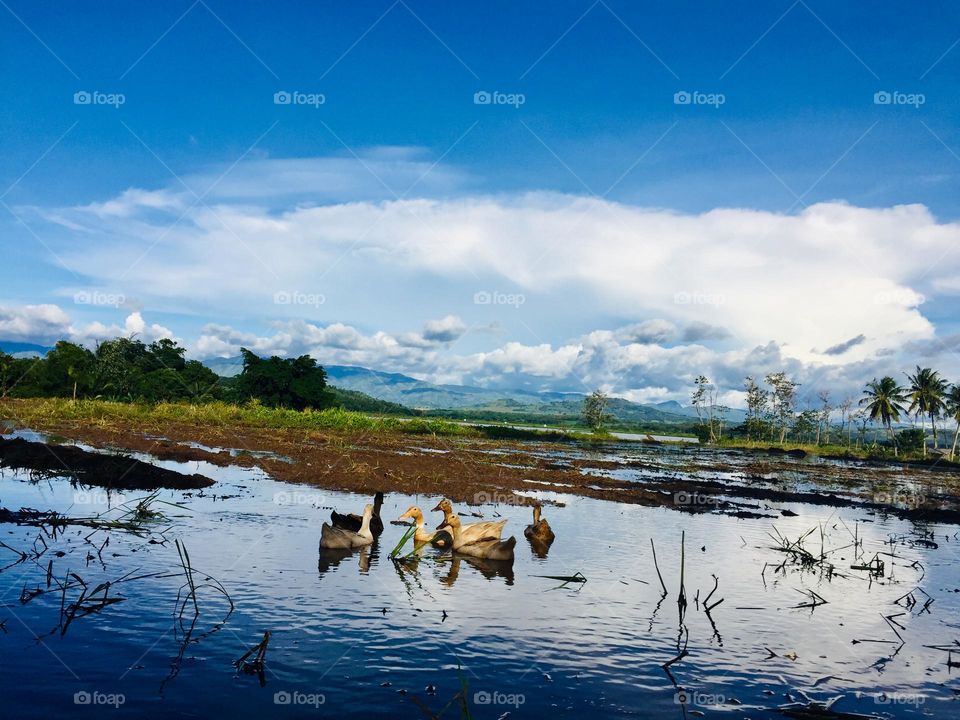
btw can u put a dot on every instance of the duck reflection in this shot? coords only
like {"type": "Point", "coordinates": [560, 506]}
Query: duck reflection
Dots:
{"type": "Point", "coordinates": [330, 558]}
{"type": "Point", "coordinates": [490, 569]}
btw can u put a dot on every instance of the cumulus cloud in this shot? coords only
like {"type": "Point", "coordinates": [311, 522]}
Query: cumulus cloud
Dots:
{"type": "Point", "coordinates": [656, 296]}
{"type": "Point", "coordinates": [45, 324]}
{"type": "Point", "coordinates": [833, 271]}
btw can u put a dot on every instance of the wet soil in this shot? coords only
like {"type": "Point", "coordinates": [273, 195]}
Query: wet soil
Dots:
{"type": "Point", "coordinates": [113, 471]}
{"type": "Point", "coordinates": [477, 471]}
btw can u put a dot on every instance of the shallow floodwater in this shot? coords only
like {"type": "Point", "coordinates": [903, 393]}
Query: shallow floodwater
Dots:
{"type": "Point", "coordinates": [362, 636]}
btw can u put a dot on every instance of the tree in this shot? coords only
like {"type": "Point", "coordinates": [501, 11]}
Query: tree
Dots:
{"type": "Point", "coordinates": [757, 402]}
{"type": "Point", "coordinates": [704, 401]}
{"type": "Point", "coordinates": [594, 409]}
{"type": "Point", "coordinates": [884, 402]}
{"type": "Point", "coordinates": [952, 400]}
{"type": "Point", "coordinates": [296, 383]}
{"type": "Point", "coordinates": [783, 398]}
{"type": "Point", "coordinates": [823, 417]}
{"type": "Point", "coordinates": [805, 424]}
{"type": "Point", "coordinates": [6, 373]}
{"type": "Point", "coordinates": [927, 389]}
{"type": "Point", "coordinates": [68, 368]}
{"type": "Point", "coordinates": [846, 421]}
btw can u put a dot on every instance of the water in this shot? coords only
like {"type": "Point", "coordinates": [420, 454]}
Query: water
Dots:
{"type": "Point", "coordinates": [359, 636]}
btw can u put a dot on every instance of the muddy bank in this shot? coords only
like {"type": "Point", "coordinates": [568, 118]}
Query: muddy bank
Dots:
{"type": "Point", "coordinates": [479, 471]}
{"type": "Point", "coordinates": [116, 472]}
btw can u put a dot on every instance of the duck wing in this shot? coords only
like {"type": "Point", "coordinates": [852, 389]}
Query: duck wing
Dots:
{"type": "Point", "coordinates": [347, 521]}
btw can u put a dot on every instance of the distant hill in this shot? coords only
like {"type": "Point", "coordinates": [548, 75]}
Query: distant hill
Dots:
{"type": "Point", "coordinates": [475, 403]}
{"type": "Point", "coordinates": [23, 350]}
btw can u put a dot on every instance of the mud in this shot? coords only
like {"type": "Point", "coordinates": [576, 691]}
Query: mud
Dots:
{"type": "Point", "coordinates": [116, 472]}
{"type": "Point", "coordinates": [479, 471]}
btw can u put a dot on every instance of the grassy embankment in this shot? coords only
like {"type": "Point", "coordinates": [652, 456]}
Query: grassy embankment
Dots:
{"type": "Point", "coordinates": [45, 412]}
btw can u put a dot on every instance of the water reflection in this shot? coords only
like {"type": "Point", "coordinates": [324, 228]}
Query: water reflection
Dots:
{"type": "Point", "coordinates": [490, 569]}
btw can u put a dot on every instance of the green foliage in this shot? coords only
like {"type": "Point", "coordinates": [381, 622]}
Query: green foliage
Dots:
{"type": "Point", "coordinates": [594, 409]}
{"type": "Point", "coordinates": [297, 383]}
{"type": "Point", "coordinates": [911, 439]}
{"type": "Point", "coordinates": [120, 369]}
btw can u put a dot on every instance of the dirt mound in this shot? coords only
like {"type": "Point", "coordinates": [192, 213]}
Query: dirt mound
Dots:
{"type": "Point", "coordinates": [118, 472]}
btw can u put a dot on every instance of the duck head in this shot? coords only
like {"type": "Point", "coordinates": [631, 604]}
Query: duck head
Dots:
{"type": "Point", "coordinates": [536, 513]}
{"type": "Point", "coordinates": [413, 512]}
{"type": "Point", "coordinates": [447, 509]}
{"type": "Point", "coordinates": [377, 502]}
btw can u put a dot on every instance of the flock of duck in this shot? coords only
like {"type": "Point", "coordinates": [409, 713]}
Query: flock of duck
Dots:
{"type": "Point", "coordinates": [480, 539]}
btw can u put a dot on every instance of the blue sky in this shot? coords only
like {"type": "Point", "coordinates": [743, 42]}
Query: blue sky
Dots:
{"type": "Point", "coordinates": [200, 201]}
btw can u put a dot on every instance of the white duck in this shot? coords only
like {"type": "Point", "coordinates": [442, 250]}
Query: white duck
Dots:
{"type": "Point", "coordinates": [334, 538]}
{"type": "Point", "coordinates": [472, 531]}
{"type": "Point", "coordinates": [488, 548]}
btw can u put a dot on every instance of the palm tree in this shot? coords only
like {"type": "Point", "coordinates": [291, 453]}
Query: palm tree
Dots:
{"type": "Point", "coordinates": [884, 399]}
{"type": "Point", "coordinates": [926, 398]}
{"type": "Point", "coordinates": [952, 399]}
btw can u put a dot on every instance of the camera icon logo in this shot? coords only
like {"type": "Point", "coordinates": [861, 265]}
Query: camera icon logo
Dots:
{"type": "Point", "coordinates": [682, 98]}
{"type": "Point", "coordinates": [882, 98]}
{"type": "Point", "coordinates": [482, 97]}
{"type": "Point", "coordinates": [82, 97]}
{"type": "Point", "coordinates": [282, 698]}
{"type": "Point", "coordinates": [82, 698]}
{"type": "Point", "coordinates": [282, 97]}
{"type": "Point", "coordinates": [482, 697]}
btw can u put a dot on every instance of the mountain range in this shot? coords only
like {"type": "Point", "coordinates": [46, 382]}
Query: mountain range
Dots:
{"type": "Point", "coordinates": [483, 403]}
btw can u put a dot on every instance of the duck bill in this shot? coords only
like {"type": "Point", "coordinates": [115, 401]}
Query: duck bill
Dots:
{"type": "Point", "coordinates": [437, 508]}
{"type": "Point", "coordinates": [406, 516]}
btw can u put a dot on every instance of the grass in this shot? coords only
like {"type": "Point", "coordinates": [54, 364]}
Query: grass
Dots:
{"type": "Point", "coordinates": [838, 451]}
{"type": "Point", "coordinates": [45, 411]}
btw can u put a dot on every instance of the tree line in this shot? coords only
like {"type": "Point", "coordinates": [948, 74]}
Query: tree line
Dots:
{"type": "Point", "coordinates": [772, 412]}
{"type": "Point", "coordinates": [129, 370]}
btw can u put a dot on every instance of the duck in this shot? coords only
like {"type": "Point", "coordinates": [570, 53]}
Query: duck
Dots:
{"type": "Point", "coordinates": [487, 548]}
{"type": "Point", "coordinates": [440, 538]}
{"type": "Point", "coordinates": [353, 521]}
{"type": "Point", "coordinates": [472, 531]}
{"type": "Point", "coordinates": [335, 538]}
{"type": "Point", "coordinates": [539, 530]}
